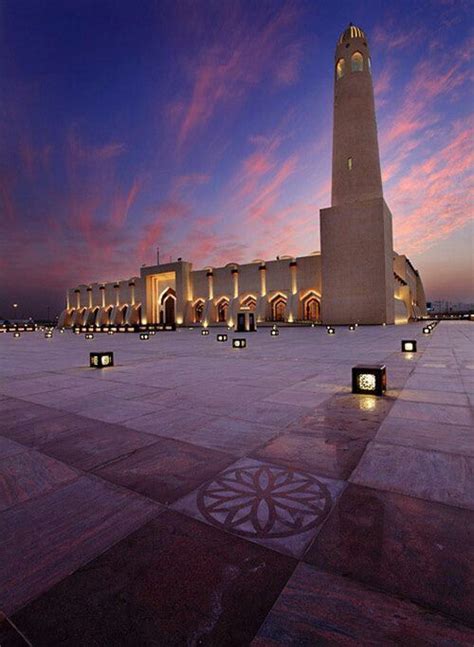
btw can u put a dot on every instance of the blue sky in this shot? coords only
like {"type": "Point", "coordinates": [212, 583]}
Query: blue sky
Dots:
{"type": "Point", "coordinates": [205, 128]}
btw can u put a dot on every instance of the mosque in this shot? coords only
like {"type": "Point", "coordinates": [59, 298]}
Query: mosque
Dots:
{"type": "Point", "coordinates": [356, 278]}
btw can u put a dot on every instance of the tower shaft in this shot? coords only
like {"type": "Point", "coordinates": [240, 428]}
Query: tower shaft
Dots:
{"type": "Point", "coordinates": [356, 231]}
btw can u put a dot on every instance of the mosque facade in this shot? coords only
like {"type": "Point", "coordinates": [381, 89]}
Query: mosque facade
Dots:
{"type": "Point", "coordinates": [356, 278]}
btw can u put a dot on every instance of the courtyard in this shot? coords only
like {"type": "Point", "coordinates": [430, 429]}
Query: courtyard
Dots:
{"type": "Point", "coordinates": [198, 494]}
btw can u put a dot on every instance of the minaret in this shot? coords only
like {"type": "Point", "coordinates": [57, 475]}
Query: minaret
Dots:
{"type": "Point", "coordinates": [356, 231]}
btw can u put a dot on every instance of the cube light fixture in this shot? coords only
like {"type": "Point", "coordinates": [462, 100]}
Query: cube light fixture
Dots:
{"type": "Point", "coordinates": [152, 332]}
{"type": "Point", "coordinates": [204, 331]}
{"type": "Point", "coordinates": [427, 330]}
{"type": "Point", "coordinates": [221, 337]}
{"type": "Point", "coordinates": [408, 345]}
{"type": "Point", "coordinates": [239, 343]}
{"type": "Point", "coordinates": [144, 336]}
{"type": "Point", "coordinates": [351, 327]}
{"type": "Point", "coordinates": [331, 330]}
{"type": "Point", "coordinates": [16, 334]}
{"type": "Point", "coordinates": [274, 332]}
{"type": "Point", "coordinates": [89, 335]}
{"type": "Point", "coordinates": [101, 360]}
{"type": "Point", "coordinates": [48, 334]}
{"type": "Point", "coordinates": [369, 380]}
{"type": "Point", "coordinates": [110, 332]}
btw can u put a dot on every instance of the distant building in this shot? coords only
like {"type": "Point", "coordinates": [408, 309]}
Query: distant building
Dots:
{"type": "Point", "coordinates": [357, 277]}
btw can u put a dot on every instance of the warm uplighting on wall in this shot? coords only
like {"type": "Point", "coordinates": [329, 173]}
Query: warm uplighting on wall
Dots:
{"type": "Point", "coordinates": [239, 343]}
{"type": "Point", "coordinates": [369, 379]}
{"type": "Point", "coordinates": [101, 360]}
{"type": "Point", "coordinates": [408, 345]}
{"type": "Point", "coordinates": [179, 319]}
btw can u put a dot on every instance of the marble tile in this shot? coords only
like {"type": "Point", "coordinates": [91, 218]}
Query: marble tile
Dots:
{"type": "Point", "coordinates": [454, 439]}
{"type": "Point", "coordinates": [234, 436]}
{"type": "Point", "coordinates": [420, 550]}
{"type": "Point", "coordinates": [9, 447]}
{"type": "Point", "coordinates": [317, 608]}
{"type": "Point", "coordinates": [427, 474]}
{"type": "Point", "coordinates": [35, 433]}
{"type": "Point", "coordinates": [173, 582]}
{"type": "Point", "coordinates": [44, 540]}
{"type": "Point", "coordinates": [434, 397]}
{"type": "Point", "coordinates": [25, 412]}
{"type": "Point", "coordinates": [166, 470]}
{"type": "Point", "coordinates": [352, 425]}
{"type": "Point", "coordinates": [333, 457]}
{"type": "Point", "coordinates": [27, 474]}
{"type": "Point", "coordinates": [269, 413]}
{"type": "Point", "coordinates": [274, 506]}
{"type": "Point", "coordinates": [89, 447]}
{"type": "Point", "coordinates": [442, 413]}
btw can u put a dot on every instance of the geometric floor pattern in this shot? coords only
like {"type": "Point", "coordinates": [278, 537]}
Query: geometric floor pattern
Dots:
{"type": "Point", "coordinates": [195, 494]}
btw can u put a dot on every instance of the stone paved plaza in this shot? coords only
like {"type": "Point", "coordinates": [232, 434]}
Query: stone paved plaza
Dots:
{"type": "Point", "coordinates": [196, 494]}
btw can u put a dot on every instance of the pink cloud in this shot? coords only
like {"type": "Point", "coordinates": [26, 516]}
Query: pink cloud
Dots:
{"type": "Point", "coordinates": [228, 68]}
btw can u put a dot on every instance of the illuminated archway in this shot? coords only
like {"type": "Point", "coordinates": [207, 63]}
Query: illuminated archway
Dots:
{"type": "Point", "coordinates": [278, 304]}
{"type": "Point", "coordinates": [198, 310]}
{"type": "Point", "coordinates": [310, 307]}
{"type": "Point", "coordinates": [250, 302]}
{"type": "Point", "coordinates": [168, 307]}
{"type": "Point", "coordinates": [222, 309]}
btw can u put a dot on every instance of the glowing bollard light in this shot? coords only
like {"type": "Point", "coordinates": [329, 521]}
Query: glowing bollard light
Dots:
{"type": "Point", "coordinates": [427, 330]}
{"type": "Point", "coordinates": [369, 380]}
{"type": "Point", "coordinates": [352, 327]}
{"type": "Point", "coordinates": [48, 334]}
{"type": "Point", "coordinates": [205, 331]}
{"type": "Point", "coordinates": [16, 334]}
{"type": "Point", "coordinates": [144, 336]}
{"type": "Point", "coordinates": [274, 332]}
{"type": "Point", "coordinates": [408, 345]}
{"type": "Point", "coordinates": [239, 343]}
{"type": "Point", "coordinates": [89, 335]}
{"type": "Point", "coordinates": [331, 331]}
{"type": "Point", "coordinates": [152, 332]}
{"type": "Point", "coordinates": [101, 360]}
{"type": "Point", "coordinates": [221, 337]}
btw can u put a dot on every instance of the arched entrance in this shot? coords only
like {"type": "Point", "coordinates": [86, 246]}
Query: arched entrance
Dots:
{"type": "Point", "coordinates": [249, 303]}
{"type": "Point", "coordinates": [198, 311]}
{"type": "Point", "coordinates": [311, 307]}
{"type": "Point", "coordinates": [222, 310]}
{"type": "Point", "coordinates": [168, 307]}
{"type": "Point", "coordinates": [278, 304]}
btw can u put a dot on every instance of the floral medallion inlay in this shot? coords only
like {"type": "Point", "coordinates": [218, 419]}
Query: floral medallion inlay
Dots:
{"type": "Point", "coordinates": [264, 501]}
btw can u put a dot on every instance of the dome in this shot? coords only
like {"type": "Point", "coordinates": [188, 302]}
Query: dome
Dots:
{"type": "Point", "coordinates": [351, 32]}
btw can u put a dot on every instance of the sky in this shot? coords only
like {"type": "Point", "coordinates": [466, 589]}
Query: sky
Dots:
{"type": "Point", "coordinates": [205, 128]}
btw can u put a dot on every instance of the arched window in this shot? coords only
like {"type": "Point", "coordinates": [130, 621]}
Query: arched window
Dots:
{"type": "Point", "coordinates": [222, 308]}
{"type": "Point", "coordinates": [340, 68]}
{"type": "Point", "coordinates": [349, 163]}
{"type": "Point", "coordinates": [198, 311]}
{"type": "Point", "coordinates": [357, 62]}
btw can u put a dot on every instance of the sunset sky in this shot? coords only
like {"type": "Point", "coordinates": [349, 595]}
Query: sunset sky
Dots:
{"type": "Point", "coordinates": [205, 128]}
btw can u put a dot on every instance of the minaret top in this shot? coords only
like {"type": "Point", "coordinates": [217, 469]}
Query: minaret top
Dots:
{"type": "Point", "coordinates": [351, 32]}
